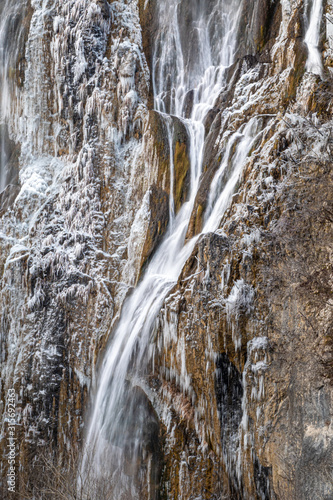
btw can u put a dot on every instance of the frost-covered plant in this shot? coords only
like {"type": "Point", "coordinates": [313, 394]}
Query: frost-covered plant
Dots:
{"type": "Point", "coordinates": [239, 303]}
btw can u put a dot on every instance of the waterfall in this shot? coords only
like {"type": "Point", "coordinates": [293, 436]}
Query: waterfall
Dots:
{"type": "Point", "coordinates": [312, 38]}
{"type": "Point", "coordinates": [11, 43]}
{"type": "Point", "coordinates": [189, 69]}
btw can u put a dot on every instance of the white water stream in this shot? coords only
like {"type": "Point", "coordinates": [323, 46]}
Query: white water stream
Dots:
{"type": "Point", "coordinates": [312, 39]}
{"type": "Point", "coordinates": [116, 433]}
{"type": "Point", "coordinates": [11, 38]}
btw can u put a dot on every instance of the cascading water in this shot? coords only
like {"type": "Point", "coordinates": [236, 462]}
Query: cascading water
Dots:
{"type": "Point", "coordinates": [188, 76]}
{"type": "Point", "coordinates": [312, 38]}
{"type": "Point", "coordinates": [11, 43]}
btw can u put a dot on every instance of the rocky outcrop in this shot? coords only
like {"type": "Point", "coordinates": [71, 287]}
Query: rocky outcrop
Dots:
{"type": "Point", "coordinates": [243, 318]}
{"type": "Point", "coordinates": [237, 397]}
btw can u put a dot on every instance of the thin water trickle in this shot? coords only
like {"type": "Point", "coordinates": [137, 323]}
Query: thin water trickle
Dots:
{"type": "Point", "coordinates": [186, 71]}
{"type": "Point", "coordinates": [226, 178]}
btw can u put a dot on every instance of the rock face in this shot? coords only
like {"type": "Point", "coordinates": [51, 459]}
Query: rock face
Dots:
{"type": "Point", "coordinates": [235, 398]}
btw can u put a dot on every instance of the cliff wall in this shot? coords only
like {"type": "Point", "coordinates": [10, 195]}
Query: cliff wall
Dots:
{"type": "Point", "coordinates": [239, 374]}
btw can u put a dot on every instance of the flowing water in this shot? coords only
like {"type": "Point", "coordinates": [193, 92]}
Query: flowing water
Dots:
{"type": "Point", "coordinates": [11, 43]}
{"type": "Point", "coordinates": [312, 38]}
{"type": "Point", "coordinates": [196, 42]}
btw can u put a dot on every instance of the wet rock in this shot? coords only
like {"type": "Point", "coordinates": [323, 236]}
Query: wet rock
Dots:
{"type": "Point", "coordinates": [159, 218]}
{"type": "Point", "coordinates": [181, 161]}
{"type": "Point", "coordinates": [8, 196]}
{"type": "Point", "coordinates": [188, 105]}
